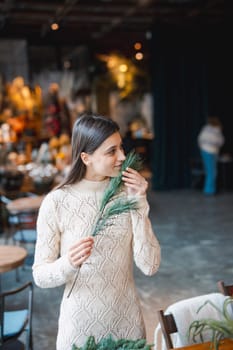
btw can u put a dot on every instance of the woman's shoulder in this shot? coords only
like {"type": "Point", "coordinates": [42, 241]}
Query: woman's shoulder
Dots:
{"type": "Point", "coordinates": [55, 195]}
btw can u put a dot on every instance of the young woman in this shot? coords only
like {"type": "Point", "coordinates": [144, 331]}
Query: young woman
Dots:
{"type": "Point", "coordinates": [103, 300]}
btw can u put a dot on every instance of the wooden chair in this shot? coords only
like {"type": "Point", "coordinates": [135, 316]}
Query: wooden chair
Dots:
{"type": "Point", "coordinates": [168, 326]}
{"type": "Point", "coordinates": [225, 289]}
{"type": "Point", "coordinates": [16, 316]}
{"type": "Point", "coordinates": [16, 345]}
{"type": "Point", "coordinates": [11, 220]}
{"type": "Point", "coordinates": [11, 182]}
{"type": "Point", "coordinates": [25, 233]}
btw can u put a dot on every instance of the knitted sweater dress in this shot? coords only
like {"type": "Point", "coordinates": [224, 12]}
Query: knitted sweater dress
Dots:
{"type": "Point", "coordinates": [104, 299]}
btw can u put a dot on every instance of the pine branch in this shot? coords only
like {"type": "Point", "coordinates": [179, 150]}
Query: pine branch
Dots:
{"type": "Point", "coordinates": [109, 342]}
{"type": "Point", "coordinates": [118, 207]}
{"type": "Point", "coordinates": [133, 161]}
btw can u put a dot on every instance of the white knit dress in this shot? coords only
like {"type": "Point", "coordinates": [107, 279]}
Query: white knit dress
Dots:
{"type": "Point", "coordinates": [104, 300]}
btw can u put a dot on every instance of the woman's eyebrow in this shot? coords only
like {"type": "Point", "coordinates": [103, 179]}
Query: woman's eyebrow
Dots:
{"type": "Point", "coordinates": [111, 148]}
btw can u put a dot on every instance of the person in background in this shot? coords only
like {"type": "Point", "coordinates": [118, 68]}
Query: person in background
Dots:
{"type": "Point", "coordinates": [103, 300]}
{"type": "Point", "coordinates": [210, 140]}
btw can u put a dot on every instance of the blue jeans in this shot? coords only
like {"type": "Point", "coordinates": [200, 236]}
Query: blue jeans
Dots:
{"type": "Point", "coordinates": [210, 168]}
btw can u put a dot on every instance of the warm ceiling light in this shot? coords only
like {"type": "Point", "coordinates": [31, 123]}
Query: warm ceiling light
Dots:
{"type": "Point", "coordinates": [139, 56]}
{"type": "Point", "coordinates": [54, 26]}
{"type": "Point", "coordinates": [123, 68]}
{"type": "Point", "coordinates": [111, 62]}
{"type": "Point", "coordinates": [137, 46]}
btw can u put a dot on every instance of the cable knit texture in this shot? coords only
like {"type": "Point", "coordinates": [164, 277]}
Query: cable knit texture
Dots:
{"type": "Point", "coordinates": [104, 300]}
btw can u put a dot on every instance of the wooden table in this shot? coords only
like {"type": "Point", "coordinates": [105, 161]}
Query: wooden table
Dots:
{"type": "Point", "coordinates": [25, 203]}
{"type": "Point", "coordinates": [226, 344]}
{"type": "Point", "coordinates": [11, 257]}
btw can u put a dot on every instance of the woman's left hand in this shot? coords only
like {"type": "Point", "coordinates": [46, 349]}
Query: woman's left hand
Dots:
{"type": "Point", "coordinates": [136, 184]}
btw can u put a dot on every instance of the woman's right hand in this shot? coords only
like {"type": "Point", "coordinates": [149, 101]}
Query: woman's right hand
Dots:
{"type": "Point", "coordinates": [80, 251]}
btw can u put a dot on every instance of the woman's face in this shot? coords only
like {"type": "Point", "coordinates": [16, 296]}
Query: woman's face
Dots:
{"type": "Point", "coordinates": [106, 161]}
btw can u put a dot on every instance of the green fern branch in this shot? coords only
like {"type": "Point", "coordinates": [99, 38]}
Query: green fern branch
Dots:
{"type": "Point", "coordinates": [118, 207]}
{"type": "Point", "coordinates": [133, 161]}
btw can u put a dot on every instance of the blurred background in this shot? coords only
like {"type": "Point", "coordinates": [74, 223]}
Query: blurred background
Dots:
{"type": "Point", "coordinates": [159, 68]}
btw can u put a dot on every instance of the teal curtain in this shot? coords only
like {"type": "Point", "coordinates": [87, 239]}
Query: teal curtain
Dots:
{"type": "Point", "coordinates": [180, 104]}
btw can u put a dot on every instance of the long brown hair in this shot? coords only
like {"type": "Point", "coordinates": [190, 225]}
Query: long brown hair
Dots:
{"type": "Point", "coordinates": [89, 132]}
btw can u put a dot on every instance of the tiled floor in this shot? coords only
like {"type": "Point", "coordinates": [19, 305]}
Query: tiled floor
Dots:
{"type": "Point", "coordinates": [196, 236]}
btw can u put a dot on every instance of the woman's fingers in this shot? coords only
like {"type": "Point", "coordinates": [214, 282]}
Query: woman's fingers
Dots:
{"type": "Point", "coordinates": [134, 181]}
{"type": "Point", "coordinates": [81, 245]}
{"type": "Point", "coordinates": [77, 260]}
{"type": "Point", "coordinates": [80, 251]}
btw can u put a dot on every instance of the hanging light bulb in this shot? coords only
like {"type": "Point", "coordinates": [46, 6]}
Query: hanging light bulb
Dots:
{"type": "Point", "coordinates": [123, 68]}
{"type": "Point", "coordinates": [139, 56]}
{"type": "Point", "coordinates": [54, 26]}
{"type": "Point", "coordinates": [137, 46]}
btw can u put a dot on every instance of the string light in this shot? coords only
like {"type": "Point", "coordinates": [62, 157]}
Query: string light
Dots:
{"type": "Point", "coordinates": [123, 68]}
{"type": "Point", "coordinates": [139, 56]}
{"type": "Point", "coordinates": [137, 46]}
{"type": "Point", "coordinates": [54, 26]}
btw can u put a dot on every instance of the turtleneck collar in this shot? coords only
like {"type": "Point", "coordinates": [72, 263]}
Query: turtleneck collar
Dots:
{"type": "Point", "coordinates": [90, 186]}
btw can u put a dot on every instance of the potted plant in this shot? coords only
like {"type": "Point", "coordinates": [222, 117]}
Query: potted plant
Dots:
{"type": "Point", "coordinates": [220, 328]}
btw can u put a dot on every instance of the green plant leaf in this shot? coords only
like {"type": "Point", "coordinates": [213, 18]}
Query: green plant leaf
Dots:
{"type": "Point", "coordinates": [220, 328]}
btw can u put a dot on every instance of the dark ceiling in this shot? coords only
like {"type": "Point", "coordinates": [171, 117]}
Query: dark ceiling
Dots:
{"type": "Point", "coordinates": [106, 23]}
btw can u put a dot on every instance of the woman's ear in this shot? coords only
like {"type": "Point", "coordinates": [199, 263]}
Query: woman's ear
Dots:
{"type": "Point", "coordinates": [85, 158]}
